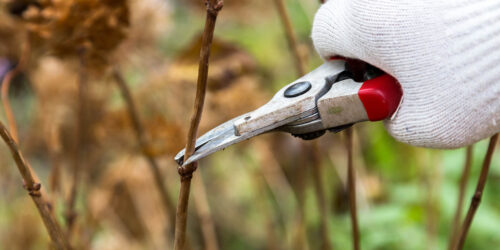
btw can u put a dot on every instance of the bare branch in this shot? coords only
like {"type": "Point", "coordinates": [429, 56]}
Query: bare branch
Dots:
{"type": "Point", "coordinates": [205, 215]}
{"type": "Point", "coordinates": [144, 144]}
{"type": "Point", "coordinates": [54, 229]}
{"type": "Point", "coordinates": [464, 179]}
{"type": "Point", "coordinates": [23, 61]}
{"type": "Point", "coordinates": [320, 195]}
{"type": "Point", "coordinates": [476, 199]}
{"type": "Point", "coordinates": [351, 180]}
{"type": "Point", "coordinates": [80, 135]}
{"type": "Point", "coordinates": [186, 172]}
{"type": "Point", "coordinates": [291, 37]}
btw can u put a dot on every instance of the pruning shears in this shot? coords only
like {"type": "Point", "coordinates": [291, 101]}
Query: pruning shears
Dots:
{"type": "Point", "coordinates": [327, 98]}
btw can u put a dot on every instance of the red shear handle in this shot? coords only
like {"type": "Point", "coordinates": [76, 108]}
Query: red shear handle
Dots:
{"type": "Point", "coordinates": [380, 97]}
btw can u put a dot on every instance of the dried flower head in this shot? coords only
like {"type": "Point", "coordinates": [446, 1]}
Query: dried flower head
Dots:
{"type": "Point", "coordinates": [67, 28]}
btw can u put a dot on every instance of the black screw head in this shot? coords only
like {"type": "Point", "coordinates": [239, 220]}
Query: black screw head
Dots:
{"type": "Point", "coordinates": [297, 89]}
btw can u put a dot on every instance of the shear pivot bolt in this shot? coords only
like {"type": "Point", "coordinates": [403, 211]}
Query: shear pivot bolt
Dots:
{"type": "Point", "coordinates": [297, 89]}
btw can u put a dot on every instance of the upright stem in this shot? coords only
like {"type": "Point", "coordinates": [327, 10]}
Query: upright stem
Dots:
{"type": "Point", "coordinates": [54, 149]}
{"type": "Point", "coordinates": [54, 229]}
{"type": "Point", "coordinates": [80, 136]}
{"type": "Point", "coordinates": [205, 215]}
{"type": "Point", "coordinates": [6, 86]}
{"type": "Point", "coordinates": [476, 199]}
{"type": "Point", "coordinates": [464, 179]}
{"type": "Point", "coordinates": [186, 172]}
{"type": "Point", "coordinates": [144, 144]}
{"type": "Point", "coordinates": [290, 37]}
{"type": "Point", "coordinates": [320, 195]}
{"type": "Point", "coordinates": [351, 182]}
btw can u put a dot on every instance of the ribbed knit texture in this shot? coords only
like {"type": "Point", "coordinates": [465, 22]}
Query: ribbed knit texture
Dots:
{"type": "Point", "coordinates": [445, 54]}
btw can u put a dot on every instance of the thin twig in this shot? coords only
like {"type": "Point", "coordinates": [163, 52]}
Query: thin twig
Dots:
{"type": "Point", "coordinates": [476, 199]}
{"type": "Point", "coordinates": [280, 188]}
{"type": "Point", "coordinates": [80, 137]}
{"type": "Point", "coordinates": [54, 229]}
{"type": "Point", "coordinates": [40, 199]}
{"type": "Point", "coordinates": [144, 144]}
{"type": "Point", "coordinates": [23, 61]}
{"type": "Point", "coordinates": [54, 149]}
{"type": "Point", "coordinates": [320, 196]}
{"type": "Point", "coordinates": [300, 67]}
{"type": "Point", "coordinates": [205, 215]}
{"type": "Point", "coordinates": [351, 182]}
{"type": "Point", "coordinates": [464, 179]}
{"type": "Point", "coordinates": [290, 37]}
{"type": "Point", "coordinates": [186, 172]}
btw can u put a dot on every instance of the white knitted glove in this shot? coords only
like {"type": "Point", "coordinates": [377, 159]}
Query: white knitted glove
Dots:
{"type": "Point", "coordinates": [445, 54]}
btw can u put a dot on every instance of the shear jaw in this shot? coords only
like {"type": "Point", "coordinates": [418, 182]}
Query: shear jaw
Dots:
{"type": "Point", "coordinates": [284, 108]}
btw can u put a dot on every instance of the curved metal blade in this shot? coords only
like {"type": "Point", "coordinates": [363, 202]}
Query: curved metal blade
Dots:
{"type": "Point", "coordinates": [226, 135]}
{"type": "Point", "coordinates": [223, 130]}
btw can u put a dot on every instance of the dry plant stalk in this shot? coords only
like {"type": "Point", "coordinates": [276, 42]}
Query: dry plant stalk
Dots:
{"type": "Point", "coordinates": [80, 135]}
{"type": "Point", "coordinates": [351, 182]}
{"type": "Point", "coordinates": [54, 229]}
{"type": "Point", "coordinates": [143, 142]}
{"type": "Point", "coordinates": [320, 194]}
{"type": "Point", "coordinates": [186, 172]}
{"type": "Point", "coordinates": [290, 37]}
{"type": "Point", "coordinates": [279, 187]}
{"type": "Point", "coordinates": [23, 61]}
{"type": "Point", "coordinates": [55, 154]}
{"type": "Point", "coordinates": [476, 199]}
{"type": "Point", "coordinates": [462, 188]}
{"type": "Point", "coordinates": [300, 67]}
{"type": "Point", "coordinates": [204, 214]}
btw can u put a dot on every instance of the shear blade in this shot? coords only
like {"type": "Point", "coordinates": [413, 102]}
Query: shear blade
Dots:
{"type": "Point", "coordinates": [225, 135]}
{"type": "Point", "coordinates": [224, 130]}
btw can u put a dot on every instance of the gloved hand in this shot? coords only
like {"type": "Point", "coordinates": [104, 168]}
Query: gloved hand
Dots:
{"type": "Point", "coordinates": [445, 54]}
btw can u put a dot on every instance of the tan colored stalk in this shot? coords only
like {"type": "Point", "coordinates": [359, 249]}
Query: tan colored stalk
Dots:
{"type": "Point", "coordinates": [186, 172]}
{"type": "Point", "coordinates": [6, 86]}
{"type": "Point", "coordinates": [80, 137]}
{"type": "Point", "coordinates": [53, 228]}
{"type": "Point", "coordinates": [464, 179]}
{"type": "Point", "coordinates": [291, 37]}
{"type": "Point", "coordinates": [351, 183]}
{"type": "Point", "coordinates": [204, 214]}
{"type": "Point", "coordinates": [320, 197]}
{"type": "Point", "coordinates": [279, 188]}
{"type": "Point", "coordinates": [476, 199]}
{"type": "Point", "coordinates": [23, 61]}
{"type": "Point", "coordinates": [144, 144]}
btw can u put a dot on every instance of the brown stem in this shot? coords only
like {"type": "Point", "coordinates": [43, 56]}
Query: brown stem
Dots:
{"type": "Point", "coordinates": [203, 210]}
{"type": "Point", "coordinates": [186, 172]}
{"type": "Point", "coordinates": [322, 1]}
{"type": "Point", "coordinates": [6, 86]}
{"type": "Point", "coordinates": [351, 182]}
{"type": "Point", "coordinates": [320, 195]}
{"type": "Point", "coordinates": [301, 234]}
{"type": "Point", "coordinates": [80, 135]}
{"type": "Point", "coordinates": [54, 149]}
{"type": "Point", "coordinates": [462, 188]}
{"type": "Point", "coordinates": [145, 145]}
{"type": "Point", "coordinates": [55, 232]}
{"type": "Point", "coordinates": [279, 187]}
{"type": "Point", "coordinates": [476, 199]}
{"type": "Point", "coordinates": [290, 37]}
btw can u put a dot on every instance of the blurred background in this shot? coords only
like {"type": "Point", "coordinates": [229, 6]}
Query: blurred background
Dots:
{"type": "Point", "coordinates": [266, 193]}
